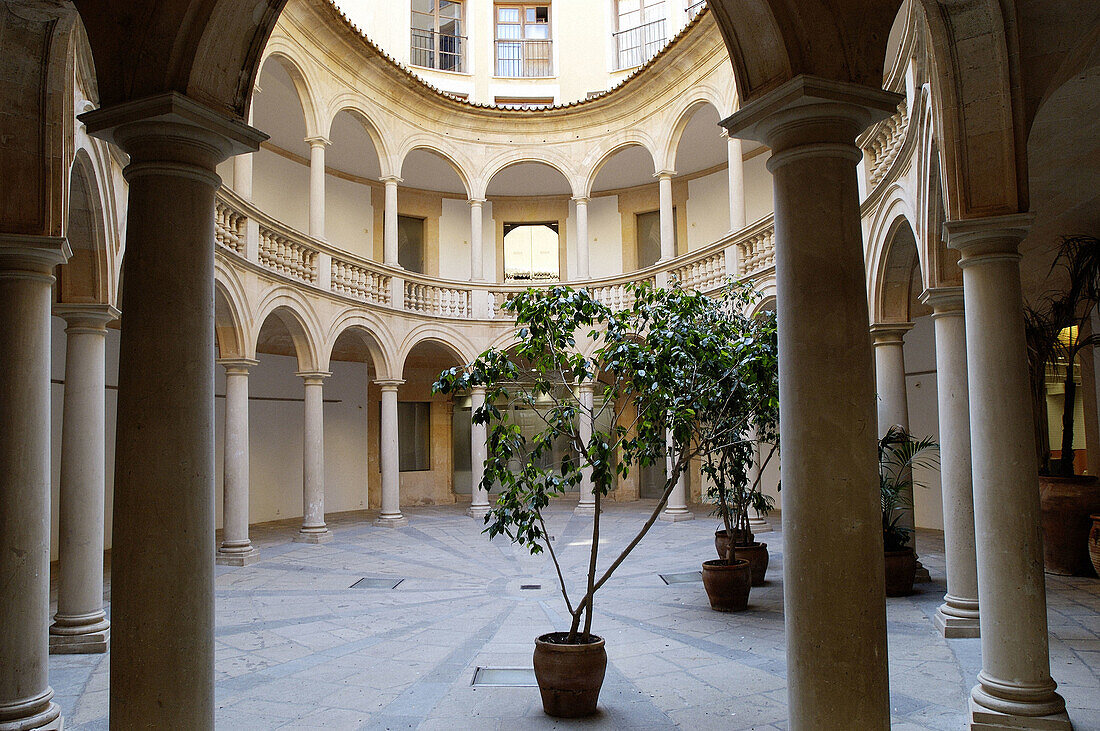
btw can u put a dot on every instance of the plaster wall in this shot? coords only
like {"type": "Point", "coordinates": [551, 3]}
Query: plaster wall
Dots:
{"type": "Point", "coordinates": [708, 217]}
{"type": "Point", "coordinates": [921, 394]}
{"type": "Point", "coordinates": [758, 188]}
{"type": "Point", "coordinates": [454, 239]}
{"type": "Point", "coordinates": [280, 187]}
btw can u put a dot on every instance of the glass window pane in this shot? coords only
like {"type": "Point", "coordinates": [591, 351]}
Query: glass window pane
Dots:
{"type": "Point", "coordinates": [450, 9]}
{"type": "Point", "coordinates": [423, 6]}
{"type": "Point", "coordinates": [413, 436]}
{"type": "Point", "coordinates": [508, 15]}
{"type": "Point", "coordinates": [410, 243]}
{"type": "Point", "coordinates": [537, 31]}
{"type": "Point", "coordinates": [508, 31]}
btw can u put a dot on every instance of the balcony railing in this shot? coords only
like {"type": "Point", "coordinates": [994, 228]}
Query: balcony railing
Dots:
{"type": "Point", "coordinates": [693, 8]}
{"type": "Point", "coordinates": [438, 51]}
{"type": "Point", "coordinates": [635, 46]}
{"type": "Point", "coordinates": [524, 59]}
{"type": "Point", "coordinates": [248, 238]}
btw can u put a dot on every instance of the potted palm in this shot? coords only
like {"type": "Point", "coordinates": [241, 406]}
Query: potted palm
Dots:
{"type": "Point", "coordinates": [898, 454]}
{"type": "Point", "coordinates": [659, 360]}
{"type": "Point", "coordinates": [1058, 332]}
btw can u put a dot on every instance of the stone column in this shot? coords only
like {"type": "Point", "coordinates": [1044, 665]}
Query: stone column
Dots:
{"type": "Point", "coordinates": [479, 498]}
{"type": "Point", "coordinates": [958, 615]}
{"type": "Point", "coordinates": [313, 528]}
{"type": "Point", "coordinates": [317, 147]}
{"type": "Point", "coordinates": [162, 555]}
{"type": "Point", "coordinates": [676, 509]}
{"type": "Point", "coordinates": [236, 549]}
{"type": "Point", "coordinates": [893, 406]}
{"type": "Point", "coordinates": [26, 277]}
{"type": "Point", "coordinates": [81, 625]}
{"type": "Point", "coordinates": [757, 522]}
{"type": "Point", "coordinates": [477, 240]}
{"type": "Point", "coordinates": [390, 458]}
{"type": "Point", "coordinates": [736, 165]}
{"type": "Point", "coordinates": [586, 504]}
{"type": "Point", "coordinates": [1014, 686]}
{"type": "Point", "coordinates": [583, 258]}
{"type": "Point", "coordinates": [834, 590]}
{"type": "Point", "coordinates": [668, 217]}
{"type": "Point", "coordinates": [389, 229]}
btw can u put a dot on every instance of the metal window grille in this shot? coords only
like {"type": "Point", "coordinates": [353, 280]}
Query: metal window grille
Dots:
{"type": "Point", "coordinates": [635, 46]}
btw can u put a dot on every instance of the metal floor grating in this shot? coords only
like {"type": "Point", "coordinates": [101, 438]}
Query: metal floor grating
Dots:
{"type": "Point", "coordinates": [687, 577]}
{"type": "Point", "coordinates": [505, 677]}
{"type": "Point", "coordinates": [366, 583]}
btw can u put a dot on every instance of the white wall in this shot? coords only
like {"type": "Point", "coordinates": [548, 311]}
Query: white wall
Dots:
{"type": "Point", "coordinates": [758, 188]}
{"type": "Point", "coordinates": [280, 188]}
{"type": "Point", "coordinates": [454, 239]}
{"type": "Point", "coordinates": [708, 209]}
{"type": "Point", "coordinates": [349, 216]}
{"type": "Point", "coordinates": [605, 236]}
{"type": "Point", "coordinates": [920, 383]}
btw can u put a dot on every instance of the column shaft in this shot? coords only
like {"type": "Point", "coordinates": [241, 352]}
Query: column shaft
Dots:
{"type": "Point", "coordinates": [389, 228]}
{"type": "Point", "coordinates": [676, 509]}
{"type": "Point", "coordinates": [668, 216]}
{"type": "Point", "coordinates": [313, 528]}
{"type": "Point", "coordinates": [583, 261]}
{"type": "Point", "coordinates": [236, 548]}
{"type": "Point", "coordinates": [479, 497]}
{"type": "Point", "coordinates": [736, 163]}
{"type": "Point", "coordinates": [26, 277]}
{"type": "Point", "coordinates": [390, 457]}
{"type": "Point", "coordinates": [586, 505]}
{"type": "Point", "coordinates": [958, 615]}
{"type": "Point", "coordinates": [80, 624]}
{"type": "Point", "coordinates": [317, 147]}
{"type": "Point", "coordinates": [891, 398]}
{"type": "Point", "coordinates": [477, 243]}
{"type": "Point", "coordinates": [1015, 677]}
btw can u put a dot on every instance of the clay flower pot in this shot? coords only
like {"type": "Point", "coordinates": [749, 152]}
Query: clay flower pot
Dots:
{"type": "Point", "coordinates": [756, 554]}
{"type": "Point", "coordinates": [901, 571]}
{"type": "Point", "coordinates": [1094, 542]}
{"type": "Point", "coordinates": [727, 584]}
{"type": "Point", "coordinates": [569, 675]}
{"type": "Point", "coordinates": [722, 541]}
{"type": "Point", "coordinates": [1067, 503]}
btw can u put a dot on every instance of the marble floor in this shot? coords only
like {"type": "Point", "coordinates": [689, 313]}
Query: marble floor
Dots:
{"type": "Point", "coordinates": [298, 648]}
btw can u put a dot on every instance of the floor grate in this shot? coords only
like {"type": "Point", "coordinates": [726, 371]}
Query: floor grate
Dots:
{"type": "Point", "coordinates": [687, 577]}
{"type": "Point", "coordinates": [366, 583]}
{"type": "Point", "coordinates": [505, 677]}
{"type": "Point", "coordinates": [530, 586]}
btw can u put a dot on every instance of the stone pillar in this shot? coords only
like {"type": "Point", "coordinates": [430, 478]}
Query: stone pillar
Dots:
{"type": "Point", "coordinates": [81, 625]}
{"type": "Point", "coordinates": [676, 509]}
{"type": "Point", "coordinates": [313, 528]}
{"type": "Point", "coordinates": [242, 166]}
{"type": "Point", "coordinates": [389, 228]}
{"type": "Point", "coordinates": [834, 590]}
{"type": "Point", "coordinates": [893, 406]}
{"type": "Point", "coordinates": [667, 213]}
{"type": "Point", "coordinates": [958, 615]}
{"type": "Point", "coordinates": [736, 165]}
{"type": "Point", "coordinates": [317, 147]}
{"type": "Point", "coordinates": [586, 505]}
{"type": "Point", "coordinates": [479, 498]}
{"type": "Point", "coordinates": [390, 458]}
{"type": "Point", "coordinates": [26, 277]}
{"type": "Point", "coordinates": [757, 522]}
{"type": "Point", "coordinates": [477, 239]}
{"type": "Point", "coordinates": [162, 555]}
{"type": "Point", "coordinates": [583, 260]}
{"type": "Point", "coordinates": [1014, 686]}
{"type": "Point", "coordinates": [236, 549]}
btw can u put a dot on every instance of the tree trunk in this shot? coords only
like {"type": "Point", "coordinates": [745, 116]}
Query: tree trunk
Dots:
{"type": "Point", "coordinates": [1066, 468]}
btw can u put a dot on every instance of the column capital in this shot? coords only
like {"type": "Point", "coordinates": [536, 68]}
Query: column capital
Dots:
{"type": "Point", "coordinates": [89, 316]}
{"type": "Point", "coordinates": [238, 366]}
{"type": "Point", "coordinates": [665, 174]}
{"type": "Point", "coordinates": [986, 239]}
{"type": "Point", "coordinates": [313, 378]}
{"type": "Point", "coordinates": [890, 333]}
{"type": "Point", "coordinates": [582, 199]}
{"type": "Point", "coordinates": [172, 118]}
{"type": "Point", "coordinates": [394, 179]}
{"type": "Point", "coordinates": [33, 254]}
{"type": "Point", "coordinates": [475, 201]}
{"type": "Point", "coordinates": [943, 300]}
{"type": "Point", "coordinates": [809, 110]}
{"type": "Point", "coordinates": [317, 141]}
{"type": "Point", "coordinates": [389, 384]}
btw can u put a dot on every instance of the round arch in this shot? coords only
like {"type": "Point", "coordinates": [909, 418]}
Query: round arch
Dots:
{"type": "Point", "coordinates": [297, 316]}
{"type": "Point", "coordinates": [891, 283]}
{"type": "Point", "coordinates": [702, 97]}
{"type": "Point", "coordinates": [510, 158]}
{"type": "Point", "coordinates": [374, 335]}
{"type": "Point", "coordinates": [463, 350]}
{"type": "Point", "coordinates": [303, 87]}
{"type": "Point", "coordinates": [85, 277]}
{"type": "Point", "coordinates": [597, 159]}
{"type": "Point", "coordinates": [352, 104]}
{"type": "Point", "coordinates": [423, 143]}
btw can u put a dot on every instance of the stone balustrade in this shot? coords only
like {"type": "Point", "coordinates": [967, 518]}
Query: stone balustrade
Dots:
{"type": "Point", "coordinates": [245, 233]}
{"type": "Point", "coordinates": [884, 143]}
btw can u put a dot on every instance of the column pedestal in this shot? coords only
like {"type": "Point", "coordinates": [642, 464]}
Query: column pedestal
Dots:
{"type": "Point", "coordinates": [26, 277]}
{"type": "Point", "coordinates": [81, 625]}
{"type": "Point", "coordinates": [236, 548]}
{"type": "Point", "coordinates": [391, 516]}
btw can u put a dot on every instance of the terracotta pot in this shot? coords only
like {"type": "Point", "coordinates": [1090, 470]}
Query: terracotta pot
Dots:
{"type": "Point", "coordinates": [569, 675]}
{"type": "Point", "coordinates": [901, 571]}
{"type": "Point", "coordinates": [1094, 542]}
{"type": "Point", "coordinates": [756, 554]}
{"type": "Point", "coordinates": [1067, 503]}
{"type": "Point", "coordinates": [722, 541]}
{"type": "Point", "coordinates": [727, 584]}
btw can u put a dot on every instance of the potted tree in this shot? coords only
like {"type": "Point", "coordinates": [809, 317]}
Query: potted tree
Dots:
{"type": "Point", "coordinates": [1058, 331]}
{"type": "Point", "coordinates": [657, 360]}
{"type": "Point", "coordinates": [898, 454]}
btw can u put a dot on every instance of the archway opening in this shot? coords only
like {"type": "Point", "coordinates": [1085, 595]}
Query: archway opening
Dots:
{"type": "Point", "coordinates": [533, 231]}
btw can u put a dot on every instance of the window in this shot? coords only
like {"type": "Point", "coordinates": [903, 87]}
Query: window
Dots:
{"type": "Point", "coordinates": [414, 436]}
{"type": "Point", "coordinates": [531, 252]}
{"type": "Point", "coordinates": [649, 237]}
{"type": "Point", "coordinates": [524, 102]}
{"type": "Point", "coordinates": [523, 46]}
{"type": "Point", "coordinates": [695, 6]}
{"type": "Point", "coordinates": [640, 31]}
{"type": "Point", "coordinates": [410, 243]}
{"type": "Point", "coordinates": [438, 38]}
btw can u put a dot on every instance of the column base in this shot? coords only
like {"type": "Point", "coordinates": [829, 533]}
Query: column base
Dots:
{"type": "Point", "coordinates": [585, 509]}
{"type": "Point", "coordinates": [476, 511]}
{"type": "Point", "coordinates": [313, 535]}
{"type": "Point", "coordinates": [676, 515]}
{"type": "Point", "coordinates": [983, 719]}
{"type": "Point", "coordinates": [922, 576]}
{"type": "Point", "coordinates": [46, 720]}
{"type": "Point", "coordinates": [391, 521]}
{"type": "Point", "coordinates": [237, 557]}
{"type": "Point", "coordinates": [953, 627]}
{"type": "Point", "coordinates": [759, 525]}
{"type": "Point", "coordinates": [87, 643]}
